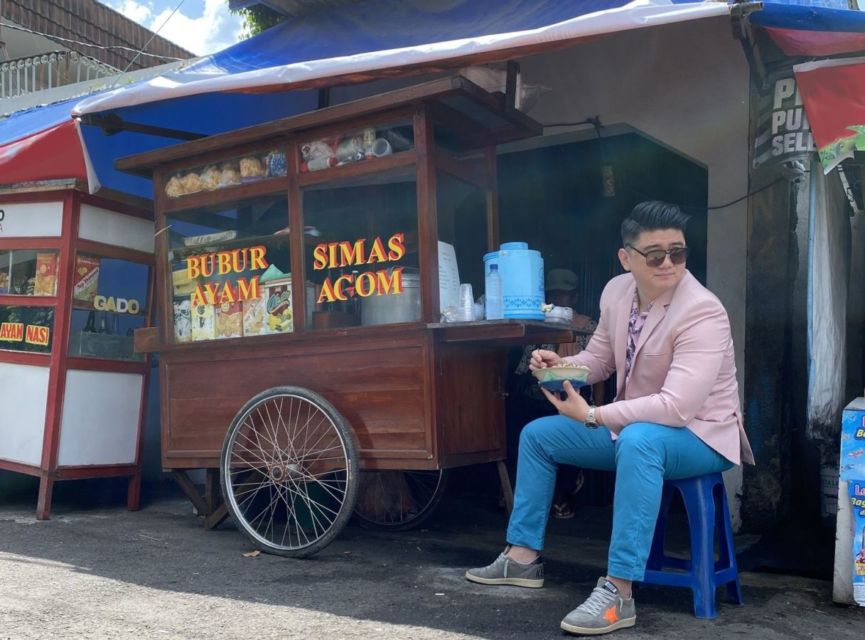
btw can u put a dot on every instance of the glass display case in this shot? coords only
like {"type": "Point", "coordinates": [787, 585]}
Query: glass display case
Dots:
{"type": "Point", "coordinates": [340, 148]}
{"type": "Point", "coordinates": [230, 266]}
{"type": "Point", "coordinates": [109, 302]}
{"type": "Point", "coordinates": [28, 272]}
{"type": "Point", "coordinates": [243, 168]}
{"type": "Point", "coordinates": [363, 261]}
{"type": "Point", "coordinates": [26, 329]}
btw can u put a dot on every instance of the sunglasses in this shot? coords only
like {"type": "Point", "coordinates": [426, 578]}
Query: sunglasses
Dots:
{"type": "Point", "coordinates": [656, 257]}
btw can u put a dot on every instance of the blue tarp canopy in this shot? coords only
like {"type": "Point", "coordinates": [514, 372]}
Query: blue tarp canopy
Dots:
{"type": "Point", "coordinates": [276, 73]}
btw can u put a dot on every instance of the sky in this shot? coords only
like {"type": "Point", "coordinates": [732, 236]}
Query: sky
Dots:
{"type": "Point", "coordinates": [199, 26]}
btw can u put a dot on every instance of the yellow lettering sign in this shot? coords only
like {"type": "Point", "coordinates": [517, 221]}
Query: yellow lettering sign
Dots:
{"type": "Point", "coordinates": [118, 305]}
{"type": "Point", "coordinates": [11, 332]}
{"type": "Point", "coordinates": [38, 335]}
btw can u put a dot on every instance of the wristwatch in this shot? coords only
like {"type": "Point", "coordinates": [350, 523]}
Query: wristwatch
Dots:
{"type": "Point", "coordinates": [590, 419]}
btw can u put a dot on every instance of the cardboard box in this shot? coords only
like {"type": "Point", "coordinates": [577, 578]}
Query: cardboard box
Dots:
{"type": "Point", "coordinates": [851, 534]}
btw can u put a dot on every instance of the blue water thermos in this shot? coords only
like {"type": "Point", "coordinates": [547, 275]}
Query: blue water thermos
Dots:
{"type": "Point", "coordinates": [522, 272]}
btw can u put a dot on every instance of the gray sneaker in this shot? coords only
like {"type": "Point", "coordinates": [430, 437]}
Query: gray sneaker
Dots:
{"type": "Point", "coordinates": [507, 571]}
{"type": "Point", "coordinates": [604, 611]}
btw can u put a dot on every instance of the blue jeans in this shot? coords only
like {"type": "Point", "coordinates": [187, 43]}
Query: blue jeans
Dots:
{"type": "Point", "coordinates": [643, 455]}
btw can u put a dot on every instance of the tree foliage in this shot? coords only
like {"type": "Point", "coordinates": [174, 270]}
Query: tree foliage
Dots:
{"type": "Point", "coordinates": [258, 18]}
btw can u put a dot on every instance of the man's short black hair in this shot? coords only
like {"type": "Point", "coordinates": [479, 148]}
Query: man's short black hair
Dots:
{"type": "Point", "coordinates": [652, 216]}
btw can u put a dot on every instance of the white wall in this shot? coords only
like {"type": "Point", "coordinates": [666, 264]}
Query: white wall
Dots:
{"type": "Point", "coordinates": [110, 227]}
{"type": "Point", "coordinates": [100, 418]}
{"type": "Point", "coordinates": [23, 403]}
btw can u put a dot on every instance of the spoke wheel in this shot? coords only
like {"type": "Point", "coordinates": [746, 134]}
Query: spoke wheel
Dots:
{"type": "Point", "coordinates": [398, 500]}
{"type": "Point", "coordinates": [289, 471]}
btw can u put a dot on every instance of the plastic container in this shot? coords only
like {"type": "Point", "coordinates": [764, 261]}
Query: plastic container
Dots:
{"type": "Point", "coordinates": [494, 304]}
{"type": "Point", "coordinates": [522, 273]}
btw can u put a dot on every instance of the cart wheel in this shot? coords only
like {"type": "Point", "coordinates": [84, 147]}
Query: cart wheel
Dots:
{"type": "Point", "coordinates": [398, 500]}
{"type": "Point", "coordinates": [289, 471]}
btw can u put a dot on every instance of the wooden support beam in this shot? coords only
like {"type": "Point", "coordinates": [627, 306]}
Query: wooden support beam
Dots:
{"type": "Point", "coordinates": [191, 491]}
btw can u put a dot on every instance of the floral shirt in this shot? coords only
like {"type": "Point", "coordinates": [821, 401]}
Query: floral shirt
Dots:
{"type": "Point", "coordinates": [635, 328]}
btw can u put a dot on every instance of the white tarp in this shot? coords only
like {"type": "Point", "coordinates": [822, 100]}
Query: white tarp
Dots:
{"type": "Point", "coordinates": [828, 276]}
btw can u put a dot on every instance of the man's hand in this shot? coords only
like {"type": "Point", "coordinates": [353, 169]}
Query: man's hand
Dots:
{"type": "Point", "coordinates": [573, 406]}
{"type": "Point", "coordinates": [541, 359]}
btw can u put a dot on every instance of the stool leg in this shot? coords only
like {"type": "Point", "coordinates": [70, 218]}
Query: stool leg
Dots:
{"type": "Point", "coordinates": [734, 591]}
{"type": "Point", "coordinates": [726, 547]}
{"type": "Point", "coordinates": [701, 521]}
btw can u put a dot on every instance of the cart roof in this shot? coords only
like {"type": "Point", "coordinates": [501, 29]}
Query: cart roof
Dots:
{"type": "Point", "coordinates": [486, 112]}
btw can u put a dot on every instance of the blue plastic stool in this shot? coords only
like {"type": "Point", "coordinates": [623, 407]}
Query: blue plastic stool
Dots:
{"type": "Point", "coordinates": [706, 505]}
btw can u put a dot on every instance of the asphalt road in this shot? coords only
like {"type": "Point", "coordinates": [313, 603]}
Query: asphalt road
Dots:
{"type": "Point", "coordinates": [102, 572]}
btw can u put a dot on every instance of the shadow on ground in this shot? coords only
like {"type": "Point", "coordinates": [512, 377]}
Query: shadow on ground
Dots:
{"type": "Point", "coordinates": [410, 578]}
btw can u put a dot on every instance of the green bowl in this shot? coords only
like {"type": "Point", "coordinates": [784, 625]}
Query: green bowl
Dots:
{"type": "Point", "coordinates": [577, 375]}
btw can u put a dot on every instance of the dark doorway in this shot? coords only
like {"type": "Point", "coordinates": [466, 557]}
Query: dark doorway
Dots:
{"type": "Point", "coordinates": [568, 200]}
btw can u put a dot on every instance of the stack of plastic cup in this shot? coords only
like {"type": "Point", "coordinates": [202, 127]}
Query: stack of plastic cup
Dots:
{"type": "Point", "coordinates": [466, 310]}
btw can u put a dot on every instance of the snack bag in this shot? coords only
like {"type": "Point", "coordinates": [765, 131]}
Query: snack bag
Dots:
{"type": "Point", "coordinates": [182, 320]}
{"type": "Point", "coordinates": [85, 280]}
{"type": "Point", "coordinates": [278, 311]}
{"type": "Point", "coordinates": [203, 322]}
{"type": "Point", "coordinates": [46, 275]}
{"type": "Point", "coordinates": [254, 316]}
{"type": "Point", "coordinates": [229, 320]}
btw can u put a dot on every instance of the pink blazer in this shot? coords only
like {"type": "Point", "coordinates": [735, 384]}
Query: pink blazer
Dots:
{"type": "Point", "coordinates": [684, 371]}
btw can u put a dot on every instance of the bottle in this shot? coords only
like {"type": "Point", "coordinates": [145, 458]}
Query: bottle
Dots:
{"type": "Point", "coordinates": [494, 307]}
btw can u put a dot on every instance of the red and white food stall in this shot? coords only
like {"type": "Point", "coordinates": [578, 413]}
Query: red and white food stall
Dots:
{"type": "Point", "coordinates": [75, 282]}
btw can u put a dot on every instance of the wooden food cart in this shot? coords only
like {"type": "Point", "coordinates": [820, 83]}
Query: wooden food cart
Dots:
{"type": "Point", "coordinates": [298, 277]}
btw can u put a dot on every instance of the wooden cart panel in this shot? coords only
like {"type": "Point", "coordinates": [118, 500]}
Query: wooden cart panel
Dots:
{"type": "Point", "coordinates": [405, 412]}
{"type": "Point", "coordinates": [378, 385]}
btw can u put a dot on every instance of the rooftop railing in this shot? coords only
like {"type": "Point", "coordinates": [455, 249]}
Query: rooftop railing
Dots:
{"type": "Point", "coordinates": [49, 70]}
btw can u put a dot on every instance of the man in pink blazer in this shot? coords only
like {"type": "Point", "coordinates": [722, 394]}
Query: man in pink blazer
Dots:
{"type": "Point", "coordinates": [676, 415]}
